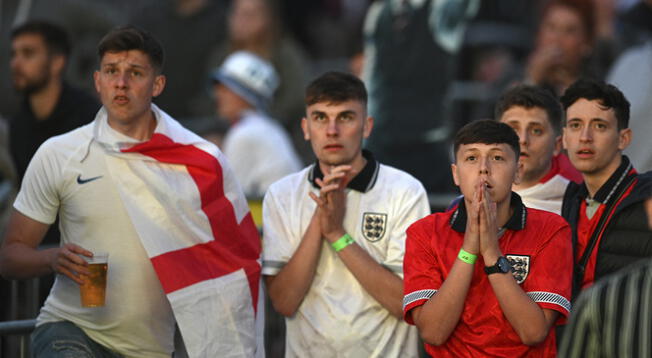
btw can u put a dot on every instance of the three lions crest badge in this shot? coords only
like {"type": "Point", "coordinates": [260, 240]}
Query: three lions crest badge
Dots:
{"type": "Point", "coordinates": [373, 226]}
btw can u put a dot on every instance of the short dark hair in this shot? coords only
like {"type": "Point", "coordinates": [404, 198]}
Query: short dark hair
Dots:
{"type": "Point", "coordinates": [335, 87]}
{"type": "Point", "coordinates": [126, 38]}
{"type": "Point", "coordinates": [487, 131]}
{"type": "Point", "coordinates": [609, 97]}
{"type": "Point", "coordinates": [54, 36]}
{"type": "Point", "coordinates": [529, 97]}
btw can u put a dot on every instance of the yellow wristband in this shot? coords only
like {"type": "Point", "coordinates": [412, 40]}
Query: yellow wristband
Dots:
{"type": "Point", "coordinates": [342, 242]}
{"type": "Point", "coordinates": [467, 257]}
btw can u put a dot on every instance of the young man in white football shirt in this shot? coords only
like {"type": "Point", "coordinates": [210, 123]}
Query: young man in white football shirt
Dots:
{"type": "Point", "coordinates": [334, 235]}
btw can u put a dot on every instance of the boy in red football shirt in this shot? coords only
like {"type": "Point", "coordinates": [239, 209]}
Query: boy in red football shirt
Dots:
{"type": "Point", "coordinates": [489, 277]}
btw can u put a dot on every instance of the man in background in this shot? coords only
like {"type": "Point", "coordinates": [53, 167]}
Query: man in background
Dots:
{"type": "Point", "coordinates": [259, 150]}
{"type": "Point", "coordinates": [39, 55]}
{"type": "Point", "coordinates": [611, 211]}
{"type": "Point", "coordinates": [536, 116]}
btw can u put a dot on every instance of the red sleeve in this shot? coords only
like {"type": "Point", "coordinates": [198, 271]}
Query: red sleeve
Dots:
{"type": "Point", "coordinates": [422, 277]}
{"type": "Point", "coordinates": [551, 270]}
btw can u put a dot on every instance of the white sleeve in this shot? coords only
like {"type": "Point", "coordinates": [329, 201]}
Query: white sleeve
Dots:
{"type": "Point", "coordinates": [413, 206]}
{"type": "Point", "coordinates": [39, 196]}
{"type": "Point", "coordinates": [278, 245]}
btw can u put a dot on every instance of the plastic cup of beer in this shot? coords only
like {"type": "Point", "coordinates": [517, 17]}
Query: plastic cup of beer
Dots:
{"type": "Point", "coordinates": [93, 290]}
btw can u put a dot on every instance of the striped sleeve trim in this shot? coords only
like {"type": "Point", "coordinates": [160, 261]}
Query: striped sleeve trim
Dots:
{"type": "Point", "coordinates": [416, 296]}
{"type": "Point", "coordinates": [548, 297]}
{"type": "Point", "coordinates": [274, 264]}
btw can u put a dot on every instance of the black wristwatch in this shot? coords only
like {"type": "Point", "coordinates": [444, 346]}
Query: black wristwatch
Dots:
{"type": "Point", "coordinates": [501, 266]}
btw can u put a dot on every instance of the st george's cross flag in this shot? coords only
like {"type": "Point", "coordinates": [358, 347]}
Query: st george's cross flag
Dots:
{"type": "Point", "coordinates": [193, 220]}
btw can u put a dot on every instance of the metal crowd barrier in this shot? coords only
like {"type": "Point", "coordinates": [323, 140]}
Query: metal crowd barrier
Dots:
{"type": "Point", "coordinates": [21, 328]}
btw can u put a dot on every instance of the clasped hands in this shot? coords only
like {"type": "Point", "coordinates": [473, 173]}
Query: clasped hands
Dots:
{"type": "Point", "coordinates": [331, 202]}
{"type": "Point", "coordinates": [481, 237]}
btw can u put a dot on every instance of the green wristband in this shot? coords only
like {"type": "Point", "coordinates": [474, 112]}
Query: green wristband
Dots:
{"type": "Point", "coordinates": [342, 242]}
{"type": "Point", "coordinates": [467, 257]}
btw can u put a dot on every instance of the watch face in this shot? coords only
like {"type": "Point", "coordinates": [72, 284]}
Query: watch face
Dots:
{"type": "Point", "coordinates": [504, 265]}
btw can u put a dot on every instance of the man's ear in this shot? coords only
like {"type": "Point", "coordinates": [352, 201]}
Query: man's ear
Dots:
{"type": "Point", "coordinates": [159, 85]}
{"type": "Point", "coordinates": [625, 138]}
{"type": "Point", "coordinates": [558, 145]}
{"type": "Point", "coordinates": [564, 138]}
{"type": "Point", "coordinates": [454, 172]}
{"type": "Point", "coordinates": [96, 81]}
{"type": "Point", "coordinates": [57, 65]}
{"type": "Point", "coordinates": [519, 171]}
{"type": "Point", "coordinates": [367, 127]}
{"type": "Point", "coordinates": [304, 128]}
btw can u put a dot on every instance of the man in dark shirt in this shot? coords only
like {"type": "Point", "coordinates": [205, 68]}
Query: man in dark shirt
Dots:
{"type": "Point", "coordinates": [610, 213]}
{"type": "Point", "coordinates": [39, 52]}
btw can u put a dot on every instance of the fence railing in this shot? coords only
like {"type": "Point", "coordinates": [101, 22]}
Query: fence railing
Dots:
{"type": "Point", "coordinates": [21, 328]}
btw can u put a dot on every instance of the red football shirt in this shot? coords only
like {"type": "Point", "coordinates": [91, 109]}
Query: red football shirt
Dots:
{"type": "Point", "coordinates": [538, 243]}
{"type": "Point", "coordinates": [585, 228]}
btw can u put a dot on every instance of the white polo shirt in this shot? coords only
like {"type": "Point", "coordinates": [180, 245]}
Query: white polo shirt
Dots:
{"type": "Point", "coordinates": [68, 175]}
{"type": "Point", "coordinates": [338, 318]}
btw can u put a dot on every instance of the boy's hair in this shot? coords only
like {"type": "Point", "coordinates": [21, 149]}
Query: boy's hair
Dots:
{"type": "Point", "coordinates": [607, 95]}
{"type": "Point", "coordinates": [126, 38]}
{"type": "Point", "coordinates": [54, 36]}
{"type": "Point", "coordinates": [335, 87]}
{"type": "Point", "coordinates": [487, 131]}
{"type": "Point", "coordinates": [531, 97]}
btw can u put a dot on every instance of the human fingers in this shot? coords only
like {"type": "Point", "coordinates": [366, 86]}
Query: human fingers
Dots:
{"type": "Point", "coordinates": [71, 274]}
{"type": "Point", "coordinates": [318, 200]}
{"type": "Point", "coordinates": [334, 177]}
{"type": "Point", "coordinates": [328, 189]}
{"type": "Point", "coordinates": [63, 265]}
{"type": "Point", "coordinates": [75, 254]}
{"type": "Point", "coordinates": [76, 249]}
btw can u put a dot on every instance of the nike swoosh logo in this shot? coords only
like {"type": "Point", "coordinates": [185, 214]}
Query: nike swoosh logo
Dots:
{"type": "Point", "coordinates": [84, 181]}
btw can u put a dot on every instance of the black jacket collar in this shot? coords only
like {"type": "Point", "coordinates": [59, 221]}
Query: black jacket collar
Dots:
{"type": "Point", "coordinates": [607, 190]}
{"type": "Point", "coordinates": [515, 222]}
{"type": "Point", "coordinates": [363, 182]}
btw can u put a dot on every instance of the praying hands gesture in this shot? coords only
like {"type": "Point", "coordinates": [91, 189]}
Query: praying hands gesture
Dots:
{"type": "Point", "coordinates": [331, 202]}
{"type": "Point", "coordinates": [481, 226]}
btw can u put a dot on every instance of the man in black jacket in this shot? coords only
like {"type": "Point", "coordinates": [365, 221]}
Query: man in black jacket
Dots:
{"type": "Point", "coordinates": [611, 211]}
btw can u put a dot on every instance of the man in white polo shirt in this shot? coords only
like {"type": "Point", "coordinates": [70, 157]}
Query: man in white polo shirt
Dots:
{"type": "Point", "coordinates": [334, 235]}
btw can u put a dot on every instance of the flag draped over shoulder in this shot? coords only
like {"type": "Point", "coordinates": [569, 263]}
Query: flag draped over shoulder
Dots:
{"type": "Point", "coordinates": [194, 223]}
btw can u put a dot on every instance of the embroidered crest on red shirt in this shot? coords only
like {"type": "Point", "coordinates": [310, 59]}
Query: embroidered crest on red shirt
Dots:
{"type": "Point", "coordinates": [520, 266]}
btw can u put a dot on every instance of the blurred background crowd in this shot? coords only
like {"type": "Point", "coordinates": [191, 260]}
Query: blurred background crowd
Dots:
{"type": "Point", "coordinates": [430, 66]}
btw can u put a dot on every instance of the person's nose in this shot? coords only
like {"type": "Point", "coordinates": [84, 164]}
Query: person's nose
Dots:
{"type": "Point", "coordinates": [332, 128]}
{"type": "Point", "coordinates": [586, 134]}
{"type": "Point", "coordinates": [121, 81]}
{"type": "Point", "coordinates": [484, 166]}
{"type": "Point", "coordinates": [523, 137]}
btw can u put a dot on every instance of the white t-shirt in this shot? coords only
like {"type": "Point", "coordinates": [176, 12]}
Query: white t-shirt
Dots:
{"type": "Point", "coordinates": [547, 196]}
{"type": "Point", "coordinates": [260, 152]}
{"type": "Point", "coordinates": [338, 318]}
{"type": "Point", "coordinates": [68, 176]}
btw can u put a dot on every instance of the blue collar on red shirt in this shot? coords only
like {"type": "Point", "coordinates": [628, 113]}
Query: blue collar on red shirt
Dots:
{"type": "Point", "coordinates": [515, 222]}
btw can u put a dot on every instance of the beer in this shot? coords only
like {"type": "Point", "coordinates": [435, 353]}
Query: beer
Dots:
{"type": "Point", "coordinates": [93, 289]}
